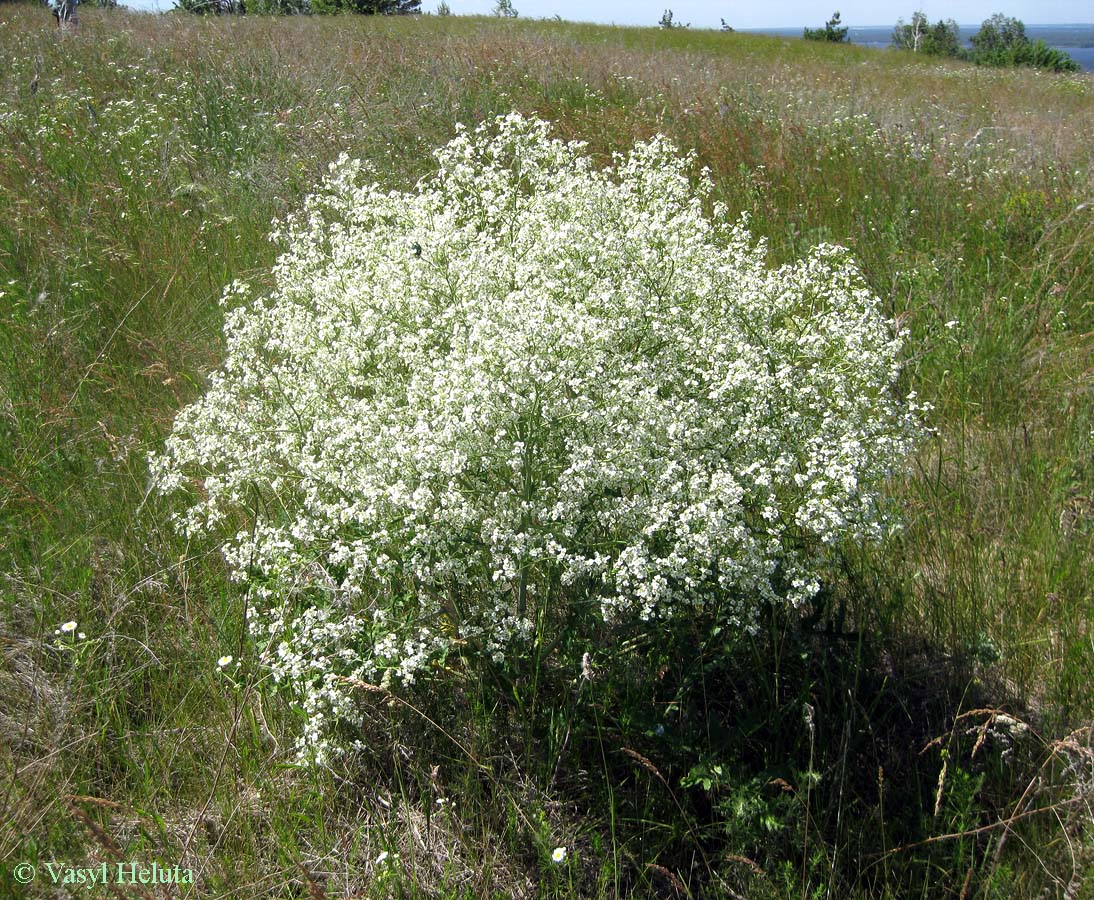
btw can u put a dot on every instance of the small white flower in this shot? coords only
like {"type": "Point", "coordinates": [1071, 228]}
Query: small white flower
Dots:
{"type": "Point", "coordinates": [558, 855]}
{"type": "Point", "coordinates": [382, 858]}
{"type": "Point", "coordinates": [224, 661]}
{"type": "Point", "coordinates": [68, 627]}
{"type": "Point", "coordinates": [81, 635]}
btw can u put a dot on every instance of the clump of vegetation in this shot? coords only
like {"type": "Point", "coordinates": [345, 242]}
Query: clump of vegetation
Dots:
{"type": "Point", "coordinates": [668, 22]}
{"type": "Point", "coordinates": [215, 7]}
{"type": "Point", "coordinates": [531, 406]}
{"type": "Point", "coordinates": [832, 31]}
{"type": "Point", "coordinates": [367, 7]}
{"type": "Point", "coordinates": [941, 39]}
{"type": "Point", "coordinates": [1001, 41]}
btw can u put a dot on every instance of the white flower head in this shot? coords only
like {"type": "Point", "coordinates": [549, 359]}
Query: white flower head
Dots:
{"type": "Point", "coordinates": [224, 661]}
{"type": "Point", "coordinates": [68, 627]}
{"type": "Point", "coordinates": [558, 855]}
{"type": "Point", "coordinates": [382, 858]}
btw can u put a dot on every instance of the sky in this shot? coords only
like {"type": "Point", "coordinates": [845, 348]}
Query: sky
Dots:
{"type": "Point", "coordinates": [783, 13]}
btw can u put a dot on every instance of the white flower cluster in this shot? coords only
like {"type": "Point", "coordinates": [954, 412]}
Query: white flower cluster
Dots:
{"type": "Point", "coordinates": [527, 385]}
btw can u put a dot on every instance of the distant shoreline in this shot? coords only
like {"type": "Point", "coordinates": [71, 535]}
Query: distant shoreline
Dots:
{"type": "Point", "coordinates": [1077, 36]}
{"type": "Point", "coordinates": [1076, 40]}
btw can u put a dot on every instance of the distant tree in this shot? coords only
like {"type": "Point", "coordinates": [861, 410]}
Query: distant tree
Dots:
{"type": "Point", "coordinates": [941, 39]}
{"type": "Point", "coordinates": [726, 26]}
{"type": "Point", "coordinates": [212, 7]}
{"type": "Point", "coordinates": [1041, 56]}
{"type": "Point", "coordinates": [999, 33]}
{"type": "Point", "coordinates": [831, 31]}
{"type": "Point", "coordinates": [945, 38]}
{"type": "Point", "coordinates": [443, 9]}
{"type": "Point", "coordinates": [368, 7]}
{"type": "Point", "coordinates": [909, 36]}
{"type": "Point", "coordinates": [667, 21]}
{"type": "Point", "coordinates": [64, 13]}
{"type": "Point", "coordinates": [505, 9]}
{"type": "Point", "coordinates": [279, 7]}
{"type": "Point", "coordinates": [1002, 41]}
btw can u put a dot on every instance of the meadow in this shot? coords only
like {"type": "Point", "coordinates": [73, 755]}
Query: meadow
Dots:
{"type": "Point", "coordinates": [923, 730]}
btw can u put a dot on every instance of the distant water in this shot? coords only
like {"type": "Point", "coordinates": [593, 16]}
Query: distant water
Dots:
{"type": "Point", "coordinates": [1084, 56]}
{"type": "Point", "coordinates": [1075, 40]}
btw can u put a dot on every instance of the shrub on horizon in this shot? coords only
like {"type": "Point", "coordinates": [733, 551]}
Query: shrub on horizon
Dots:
{"type": "Point", "coordinates": [367, 7]}
{"type": "Point", "coordinates": [527, 398]}
{"type": "Point", "coordinates": [832, 32]}
{"type": "Point", "coordinates": [941, 39]}
{"type": "Point", "coordinates": [1002, 41]}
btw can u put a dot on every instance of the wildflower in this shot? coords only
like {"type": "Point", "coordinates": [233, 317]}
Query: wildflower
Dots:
{"type": "Point", "coordinates": [224, 661]}
{"type": "Point", "coordinates": [558, 855]}
{"type": "Point", "coordinates": [68, 627]}
{"type": "Point", "coordinates": [382, 858]}
{"type": "Point", "coordinates": [592, 390]}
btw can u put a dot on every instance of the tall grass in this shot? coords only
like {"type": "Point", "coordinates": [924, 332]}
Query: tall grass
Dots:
{"type": "Point", "coordinates": [144, 159]}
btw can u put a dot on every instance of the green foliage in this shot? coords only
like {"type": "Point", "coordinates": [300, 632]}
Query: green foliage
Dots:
{"type": "Point", "coordinates": [919, 36]}
{"type": "Point", "coordinates": [279, 7]}
{"type": "Point", "coordinates": [212, 7]}
{"type": "Point", "coordinates": [504, 9]}
{"type": "Point", "coordinates": [831, 32]}
{"type": "Point", "coordinates": [999, 33]}
{"type": "Point", "coordinates": [1002, 41]}
{"type": "Point", "coordinates": [668, 22]}
{"type": "Point", "coordinates": [1035, 54]}
{"type": "Point", "coordinates": [367, 7]}
{"type": "Point", "coordinates": [443, 9]}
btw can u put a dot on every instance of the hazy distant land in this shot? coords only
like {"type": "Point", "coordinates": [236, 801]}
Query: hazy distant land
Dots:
{"type": "Point", "coordinates": [1075, 40]}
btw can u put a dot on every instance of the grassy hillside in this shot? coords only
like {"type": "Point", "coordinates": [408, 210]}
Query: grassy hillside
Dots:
{"type": "Point", "coordinates": [143, 162]}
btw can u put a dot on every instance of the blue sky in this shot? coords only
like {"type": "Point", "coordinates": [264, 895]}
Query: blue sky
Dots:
{"type": "Point", "coordinates": [766, 15]}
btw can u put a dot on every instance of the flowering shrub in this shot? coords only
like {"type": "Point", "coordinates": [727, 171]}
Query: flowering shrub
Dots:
{"type": "Point", "coordinates": [466, 416]}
